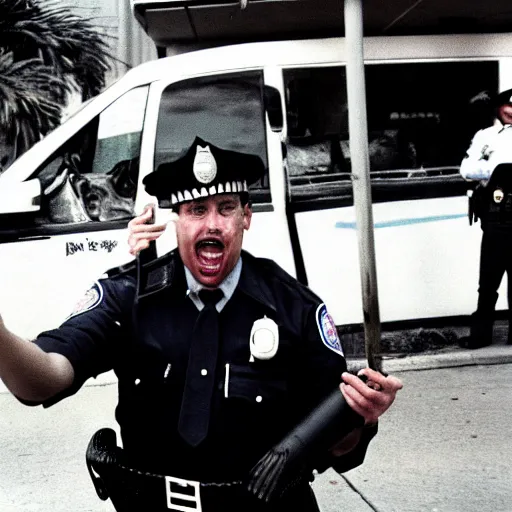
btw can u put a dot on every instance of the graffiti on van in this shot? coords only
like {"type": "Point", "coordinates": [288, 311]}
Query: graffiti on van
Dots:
{"type": "Point", "coordinates": [90, 246]}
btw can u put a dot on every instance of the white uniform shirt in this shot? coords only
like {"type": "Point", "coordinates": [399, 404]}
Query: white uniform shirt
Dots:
{"type": "Point", "coordinates": [489, 148]}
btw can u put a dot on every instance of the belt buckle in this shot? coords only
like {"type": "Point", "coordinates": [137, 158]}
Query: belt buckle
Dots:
{"type": "Point", "coordinates": [172, 496]}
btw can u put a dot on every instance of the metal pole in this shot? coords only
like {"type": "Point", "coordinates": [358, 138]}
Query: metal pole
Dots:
{"type": "Point", "coordinates": [358, 134]}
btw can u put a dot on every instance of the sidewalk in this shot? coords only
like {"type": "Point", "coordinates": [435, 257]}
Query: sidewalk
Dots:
{"type": "Point", "coordinates": [432, 348]}
{"type": "Point", "coordinates": [497, 353]}
{"type": "Point", "coordinates": [444, 445]}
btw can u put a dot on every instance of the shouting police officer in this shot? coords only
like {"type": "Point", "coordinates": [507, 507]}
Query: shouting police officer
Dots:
{"type": "Point", "coordinates": [218, 353]}
{"type": "Point", "coordinates": [489, 162]}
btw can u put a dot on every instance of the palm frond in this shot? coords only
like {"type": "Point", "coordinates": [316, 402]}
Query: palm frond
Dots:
{"type": "Point", "coordinates": [29, 96]}
{"type": "Point", "coordinates": [66, 41]}
{"type": "Point", "coordinates": [17, 24]}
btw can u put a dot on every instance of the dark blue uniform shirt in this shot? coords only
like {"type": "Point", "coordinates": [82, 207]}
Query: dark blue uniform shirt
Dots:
{"type": "Point", "coordinates": [142, 331]}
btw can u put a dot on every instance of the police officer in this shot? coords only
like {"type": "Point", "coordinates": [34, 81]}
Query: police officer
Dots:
{"type": "Point", "coordinates": [488, 163]}
{"type": "Point", "coordinates": [218, 353]}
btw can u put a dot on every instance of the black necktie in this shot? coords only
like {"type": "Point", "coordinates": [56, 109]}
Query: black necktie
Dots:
{"type": "Point", "coordinates": [200, 380]}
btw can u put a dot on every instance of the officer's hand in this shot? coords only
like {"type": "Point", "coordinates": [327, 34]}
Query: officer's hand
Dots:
{"type": "Point", "coordinates": [140, 233]}
{"type": "Point", "coordinates": [370, 399]}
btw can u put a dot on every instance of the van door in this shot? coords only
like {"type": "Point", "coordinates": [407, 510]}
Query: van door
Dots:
{"type": "Point", "coordinates": [66, 223]}
{"type": "Point", "coordinates": [421, 119]}
{"type": "Point", "coordinates": [227, 110]}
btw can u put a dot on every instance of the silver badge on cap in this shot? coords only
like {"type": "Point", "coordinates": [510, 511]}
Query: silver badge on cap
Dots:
{"type": "Point", "coordinates": [205, 166]}
{"type": "Point", "coordinates": [264, 340]}
{"type": "Point", "coordinates": [498, 195]}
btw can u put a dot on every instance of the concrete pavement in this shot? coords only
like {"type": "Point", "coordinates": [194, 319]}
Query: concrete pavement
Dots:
{"type": "Point", "coordinates": [444, 446]}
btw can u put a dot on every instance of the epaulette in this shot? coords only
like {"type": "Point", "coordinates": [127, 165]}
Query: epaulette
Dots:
{"type": "Point", "coordinates": [280, 277]}
{"type": "Point", "coordinates": [127, 268]}
{"type": "Point", "coordinates": [155, 275]}
{"type": "Point", "coordinates": [291, 282]}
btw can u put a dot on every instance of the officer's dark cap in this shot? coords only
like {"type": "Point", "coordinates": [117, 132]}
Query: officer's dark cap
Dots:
{"type": "Point", "coordinates": [204, 170]}
{"type": "Point", "coordinates": [503, 98]}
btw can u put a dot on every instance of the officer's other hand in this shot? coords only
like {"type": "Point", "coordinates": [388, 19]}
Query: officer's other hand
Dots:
{"type": "Point", "coordinates": [370, 399]}
{"type": "Point", "coordinates": [140, 233]}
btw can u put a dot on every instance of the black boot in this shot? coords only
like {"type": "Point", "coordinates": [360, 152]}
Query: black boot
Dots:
{"type": "Point", "coordinates": [480, 334]}
{"type": "Point", "coordinates": [473, 342]}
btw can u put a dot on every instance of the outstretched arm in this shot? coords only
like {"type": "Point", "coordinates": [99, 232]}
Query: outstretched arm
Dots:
{"type": "Point", "coordinates": [30, 373]}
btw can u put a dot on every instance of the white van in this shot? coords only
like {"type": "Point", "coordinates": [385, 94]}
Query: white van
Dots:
{"type": "Point", "coordinates": [65, 204]}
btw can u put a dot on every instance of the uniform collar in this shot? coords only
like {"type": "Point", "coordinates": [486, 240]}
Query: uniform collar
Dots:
{"type": "Point", "coordinates": [500, 126]}
{"type": "Point", "coordinates": [169, 272]}
{"type": "Point", "coordinates": [252, 282]}
{"type": "Point", "coordinates": [227, 286]}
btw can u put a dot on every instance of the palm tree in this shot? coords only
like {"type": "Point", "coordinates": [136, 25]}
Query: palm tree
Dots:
{"type": "Point", "coordinates": [46, 53]}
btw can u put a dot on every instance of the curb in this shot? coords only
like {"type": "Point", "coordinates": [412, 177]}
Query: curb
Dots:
{"type": "Point", "coordinates": [494, 354]}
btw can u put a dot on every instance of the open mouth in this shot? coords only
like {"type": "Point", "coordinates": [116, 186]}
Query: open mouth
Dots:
{"type": "Point", "coordinates": [209, 254]}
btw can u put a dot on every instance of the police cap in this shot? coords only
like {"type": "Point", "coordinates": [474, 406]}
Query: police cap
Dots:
{"type": "Point", "coordinates": [503, 98]}
{"type": "Point", "coordinates": [204, 170]}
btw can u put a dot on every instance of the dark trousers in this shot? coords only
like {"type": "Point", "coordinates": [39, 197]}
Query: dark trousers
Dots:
{"type": "Point", "coordinates": [495, 260]}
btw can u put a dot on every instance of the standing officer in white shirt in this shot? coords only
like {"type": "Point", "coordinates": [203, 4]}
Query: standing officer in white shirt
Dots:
{"type": "Point", "coordinates": [489, 162]}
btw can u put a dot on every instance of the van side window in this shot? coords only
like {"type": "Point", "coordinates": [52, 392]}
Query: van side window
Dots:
{"type": "Point", "coordinates": [226, 109]}
{"type": "Point", "coordinates": [421, 118]}
{"type": "Point", "coordinates": [93, 177]}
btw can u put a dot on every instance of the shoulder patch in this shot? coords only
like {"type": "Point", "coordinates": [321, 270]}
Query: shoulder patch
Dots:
{"type": "Point", "coordinates": [93, 296]}
{"type": "Point", "coordinates": [327, 330]}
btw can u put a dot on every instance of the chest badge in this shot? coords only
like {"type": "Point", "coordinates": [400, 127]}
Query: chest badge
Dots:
{"type": "Point", "coordinates": [498, 195]}
{"type": "Point", "coordinates": [264, 340]}
{"type": "Point", "coordinates": [486, 152]}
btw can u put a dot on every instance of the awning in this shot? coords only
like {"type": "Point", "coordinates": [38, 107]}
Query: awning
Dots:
{"type": "Point", "coordinates": [208, 21]}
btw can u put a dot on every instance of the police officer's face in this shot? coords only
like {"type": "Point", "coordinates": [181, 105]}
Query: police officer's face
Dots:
{"type": "Point", "coordinates": [210, 232]}
{"type": "Point", "coordinates": [505, 113]}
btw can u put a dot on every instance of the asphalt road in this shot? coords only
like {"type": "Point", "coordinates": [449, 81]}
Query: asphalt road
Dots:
{"type": "Point", "coordinates": [445, 446]}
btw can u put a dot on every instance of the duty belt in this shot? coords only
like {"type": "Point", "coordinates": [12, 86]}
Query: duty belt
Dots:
{"type": "Point", "coordinates": [132, 489]}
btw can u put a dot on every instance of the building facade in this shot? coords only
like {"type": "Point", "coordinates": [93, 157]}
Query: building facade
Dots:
{"type": "Point", "coordinates": [129, 43]}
